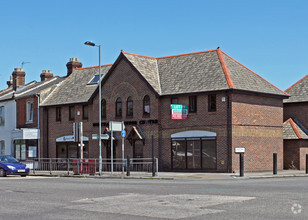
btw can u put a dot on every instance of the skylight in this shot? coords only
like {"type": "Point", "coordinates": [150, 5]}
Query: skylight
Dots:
{"type": "Point", "coordinates": [94, 80]}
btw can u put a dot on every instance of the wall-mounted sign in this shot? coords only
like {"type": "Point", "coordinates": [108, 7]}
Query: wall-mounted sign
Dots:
{"type": "Point", "coordinates": [179, 111]}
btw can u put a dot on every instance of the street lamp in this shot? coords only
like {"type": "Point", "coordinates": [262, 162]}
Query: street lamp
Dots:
{"type": "Point", "coordinates": [90, 43]}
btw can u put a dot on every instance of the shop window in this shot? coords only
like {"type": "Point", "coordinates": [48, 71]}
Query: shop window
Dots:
{"type": "Point", "coordinates": [119, 107]}
{"type": "Point", "coordinates": [192, 104]}
{"type": "Point", "coordinates": [130, 108]}
{"type": "Point", "coordinates": [71, 113]}
{"type": "Point", "coordinates": [29, 112]}
{"type": "Point", "coordinates": [58, 114]}
{"type": "Point", "coordinates": [2, 117]}
{"type": "Point", "coordinates": [146, 106]}
{"type": "Point", "coordinates": [25, 149]}
{"type": "Point", "coordinates": [212, 103]}
{"type": "Point", "coordinates": [2, 147]}
{"type": "Point", "coordinates": [85, 112]}
{"type": "Point", "coordinates": [103, 108]}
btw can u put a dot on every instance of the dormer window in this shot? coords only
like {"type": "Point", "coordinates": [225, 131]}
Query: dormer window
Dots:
{"type": "Point", "coordinates": [29, 116]}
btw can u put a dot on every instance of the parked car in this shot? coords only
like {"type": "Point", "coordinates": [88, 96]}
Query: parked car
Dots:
{"type": "Point", "coordinates": [10, 166]}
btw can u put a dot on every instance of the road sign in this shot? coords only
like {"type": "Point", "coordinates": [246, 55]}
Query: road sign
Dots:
{"type": "Point", "coordinates": [116, 125]}
{"type": "Point", "coordinates": [103, 136]}
{"type": "Point", "coordinates": [123, 133]}
{"type": "Point", "coordinates": [239, 150]}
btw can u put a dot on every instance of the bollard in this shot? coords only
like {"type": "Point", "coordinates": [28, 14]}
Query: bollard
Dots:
{"type": "Point", "coordinates": [306, 163]}
{"type": "Point", "coordinates": [128, 166]}
{"type": "Point", "coordinates": [275, 163]}
{"type": "Point", "coordinates": [241, 164]}
{"type": "Point", "coordinates": [153, 166]}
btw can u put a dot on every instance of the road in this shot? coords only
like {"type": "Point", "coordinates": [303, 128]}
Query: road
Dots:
{"type": "Point", "coordinates": [93, 198]}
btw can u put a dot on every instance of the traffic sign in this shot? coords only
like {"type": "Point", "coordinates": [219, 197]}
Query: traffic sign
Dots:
{"type": "Point", "coordinates": [123, 133]}
{"type": "Point", "coordinates": [103, 136]}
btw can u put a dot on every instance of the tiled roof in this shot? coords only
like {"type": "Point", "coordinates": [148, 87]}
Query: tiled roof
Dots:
{"type": "Point", "coordinates": [203, 71]}
{"type": "Point", "coordinates": [75, 89]}
{"type": "Point", "coordinates": [299, 91]}
{"type": "Point", "coordinates": [292, 129]}
{"type": "Point", "coordinates": [10, 93]}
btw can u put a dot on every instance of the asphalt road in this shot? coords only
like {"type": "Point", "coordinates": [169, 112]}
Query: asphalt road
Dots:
{"type": "Point", "coordinates": [93, 198]}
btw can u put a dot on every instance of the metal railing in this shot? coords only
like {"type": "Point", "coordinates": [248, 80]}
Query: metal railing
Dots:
{"type": "Point", "coordinates": [70, 166]}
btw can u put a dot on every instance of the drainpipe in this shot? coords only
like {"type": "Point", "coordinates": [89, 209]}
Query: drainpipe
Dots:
{"type": "Point", "coordinates": [38, 126]}
{"type": "Point", "coordinates": [229, 133]}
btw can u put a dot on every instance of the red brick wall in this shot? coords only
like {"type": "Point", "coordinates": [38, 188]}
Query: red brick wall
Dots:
{"type": "Point", "coordinates": [297, 111]}
{"type": "Point", "coordinates": [21, 112]}
{"type": "Point", "coordinates": [257, 126]}
{"type": "Point", "coordinates": [295, 154]}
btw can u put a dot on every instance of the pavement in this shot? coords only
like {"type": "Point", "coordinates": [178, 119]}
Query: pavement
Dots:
{"type": "Point", "coordinates": [181, 175]}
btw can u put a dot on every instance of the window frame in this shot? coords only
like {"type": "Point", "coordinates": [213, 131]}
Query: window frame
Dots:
{"type": "Point", "coordinates": [193, 104]}
{"type": "Point", "coordinates": [71, 115]}
{"type": "Point", "coordinates": [212, 103]}
{"type": "Point", "coordinates": [146, 100]}
{"type": "Point", "coordinates": [119, 108]}
{"type": "Point", "coordinates": [85, 112]}
{"type": "Point", "coordinates": [129, 102]}
{"type": "Point", "coordinates": [2, 116]}
{"type": "Point", "coordinates": [58, 113]}
{"type": "Point", "coordinates": [29, 111]}
{"type": "Point", "coordinates": [103, 108]}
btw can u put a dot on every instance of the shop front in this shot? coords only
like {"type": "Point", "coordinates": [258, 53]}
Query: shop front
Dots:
{"type": "Point", "coordinates": [194, 150]}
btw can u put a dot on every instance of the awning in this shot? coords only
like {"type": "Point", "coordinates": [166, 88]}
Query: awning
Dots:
{"type": "Point", "coordinates": [26, 134]}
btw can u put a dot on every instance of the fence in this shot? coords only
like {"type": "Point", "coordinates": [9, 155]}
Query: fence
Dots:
{"type": "Point", "coordinates": [70, 166]}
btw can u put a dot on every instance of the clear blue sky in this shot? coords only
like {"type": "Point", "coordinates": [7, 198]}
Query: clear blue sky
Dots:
{"type": "Point", "coordinates": [268, 36]}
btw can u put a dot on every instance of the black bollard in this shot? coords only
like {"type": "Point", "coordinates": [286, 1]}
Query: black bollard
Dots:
{"type": "Point", "coordinates": [241, 164]}
{"type": "Point", "coordinates": [128, 166]}
{"type": "Point", "coordinates": [275, 163]}
{"type": "Point", "coordinates": [306, 163]}
{"type": "Point", "coordinates": [153, 158]}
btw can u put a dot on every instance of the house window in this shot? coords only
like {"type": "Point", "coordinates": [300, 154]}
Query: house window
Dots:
{"type": "Point", "coordinates": [119, 107]}
{"type": "Point", "coordinates": [173, 101]}
{"type": "Point", "coordinates": [192, 104]}
{"type": "Point", "coordinates": [146, 105]}
{"type": "Point", "coordinates": [2, 147]}
{"type": "Point", "coordinates": [58, 114]}
{"type": "Point", "coordinates": [103, 109]}
{"type": "Point", "coordinates": [212, 103]}
{"type": "Point", "coordinates": [25, 149]}
{"type": "Point", "coordinates": [2, 116]}
{"type": "Point", "coordinates": [85, 113]}
{"type": "Point", "coordinates": [29, 116]}
{"type": "Point", "coordinates": [130, 107]}
{"type": "Point", "coordinates": [71, 113]}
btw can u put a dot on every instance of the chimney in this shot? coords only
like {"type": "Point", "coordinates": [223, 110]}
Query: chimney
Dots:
{"type": "Point", "coordinates": [10, 82]}
{"type": "Point", "coordinates": [73, 64]}
{"type": "Point", "coordinates": [18, 78]}
{"type": "Point", "coordinates": [46, 75]}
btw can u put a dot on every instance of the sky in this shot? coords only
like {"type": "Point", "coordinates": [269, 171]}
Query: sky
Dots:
{"type": "Point", "coordinates": [270, 37]}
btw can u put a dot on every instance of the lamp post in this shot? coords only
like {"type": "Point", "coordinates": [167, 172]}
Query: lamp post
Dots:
{"type": "Point", "coordinates": [90, 43]}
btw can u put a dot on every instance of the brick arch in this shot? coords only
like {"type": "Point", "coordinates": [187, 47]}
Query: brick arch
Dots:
{"type": "Point", "coordinates": [124, 90]}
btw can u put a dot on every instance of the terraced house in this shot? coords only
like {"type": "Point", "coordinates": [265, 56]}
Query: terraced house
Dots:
{"type": "Point", "coordinates": [228, 106]}
{"type": "Point", "coordinates": [296, 125]}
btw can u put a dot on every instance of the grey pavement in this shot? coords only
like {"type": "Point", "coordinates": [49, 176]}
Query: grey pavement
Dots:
{"type": "Point", "coordinates": [185, 175]}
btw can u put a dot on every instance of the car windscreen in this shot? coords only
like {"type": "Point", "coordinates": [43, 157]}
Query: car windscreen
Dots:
{"type": "Point", "coordinates": [8, 159]}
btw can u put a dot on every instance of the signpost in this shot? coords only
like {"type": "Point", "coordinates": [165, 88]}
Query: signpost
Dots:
{"type": "Point", "coordinates": [103, 136]}
{"type": "Point", "coordinates": [179, 111]}
{"type": "Point", "coordinates": [241, 151]}
{"type": "Point", "coordinates": [123, 134]}
{"type": "Point", "coordinates": [115, 126]}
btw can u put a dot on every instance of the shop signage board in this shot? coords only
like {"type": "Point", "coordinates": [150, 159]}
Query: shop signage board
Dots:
{"type": "Point", "coordinates": [179, 111]}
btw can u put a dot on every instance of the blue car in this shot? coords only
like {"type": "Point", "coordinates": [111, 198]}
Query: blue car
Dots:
{"type": "Point", "coordinates": [10, 166]}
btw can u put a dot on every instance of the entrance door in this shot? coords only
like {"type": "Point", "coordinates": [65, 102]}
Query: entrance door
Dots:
{"type": "Point", "coordinates": [138, 149]}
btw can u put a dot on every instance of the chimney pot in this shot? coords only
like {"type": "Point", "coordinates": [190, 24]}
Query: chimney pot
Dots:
{"type": "Point", "coordinates": [18, 78]}
{"type": "Point", "coordinates": [46, 75]}
{"type": "Point", "coordinates": [73, 64]}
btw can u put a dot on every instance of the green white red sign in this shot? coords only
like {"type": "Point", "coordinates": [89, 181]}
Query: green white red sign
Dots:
{"type": "Point", "coordinates": [179, 111]}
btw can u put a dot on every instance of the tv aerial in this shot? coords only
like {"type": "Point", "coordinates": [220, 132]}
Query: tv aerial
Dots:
{"type": "Point", "coordinates": [23, 63]}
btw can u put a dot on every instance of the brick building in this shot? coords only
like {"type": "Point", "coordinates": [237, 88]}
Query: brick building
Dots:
{"type": "Point", "coordinates": [296, 125]}
{"type": "Point", "coordinates": [229, 106]}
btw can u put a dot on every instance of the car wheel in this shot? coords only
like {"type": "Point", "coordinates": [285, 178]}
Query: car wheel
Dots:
{"type": "Point", "coordinates": [2, 173]}
{"type": "Point", "coordinates": [23, 175]}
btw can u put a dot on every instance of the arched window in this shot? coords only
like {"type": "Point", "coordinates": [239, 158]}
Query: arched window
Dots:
{"type": "Point", "coordinates": [103, 105]}
{"type": "Point", "coordinates": [146, 105]}
{"type": "Point", "coordinates": [119, 107]}
{"type": "Point", "coordinates": [130, 108]}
